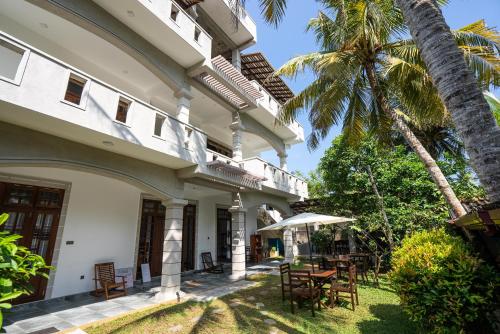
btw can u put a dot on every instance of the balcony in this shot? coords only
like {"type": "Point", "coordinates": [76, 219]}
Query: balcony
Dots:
{"type": "Point", "coordinates": [42, 93]}
{"type": "Point", "coordinates": [164, 24]}
{"type": "Point", "coordinates": [276, 179]}
{"type": "Point", "coordinates": [221, 13]}
{"type": "Point", "coordinates": [267, 112]}
{"type": "Point", "coordinates": [249, 174]}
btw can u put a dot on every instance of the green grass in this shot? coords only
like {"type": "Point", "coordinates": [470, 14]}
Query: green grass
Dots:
{"type": "Point", "coordinates": [378, 312]}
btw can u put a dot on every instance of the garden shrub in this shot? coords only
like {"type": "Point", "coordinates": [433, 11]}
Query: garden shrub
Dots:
{"type": "Point", "coordinates": [440, 282]}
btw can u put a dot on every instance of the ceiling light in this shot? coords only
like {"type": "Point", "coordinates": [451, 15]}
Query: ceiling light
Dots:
{"type": "Point", "coordinates": [44, 25]}
{"type": "Point", "coordinates": [108, 143]}
{"type": "Point", "coordinates": [130, 13]}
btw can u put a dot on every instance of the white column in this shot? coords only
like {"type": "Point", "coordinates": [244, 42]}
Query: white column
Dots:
{"type": "Point", "coordinates": [288, 241]}
{"type": "Point", "coordinates": [236, 59]}
{"type": "Point", "coordinates": [172, 250]}
{"type": "Point", "coordinates": [236, 127]}
{"type": "Point", "coordinates": [183, 105]}
{"type": "Point", "coordinates": [283, 163]}
{"type": "Point", "coordinates": [238, 239]}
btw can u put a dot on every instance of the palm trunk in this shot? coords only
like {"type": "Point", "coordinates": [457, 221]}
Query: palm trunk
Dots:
{"type": "Point", "coordinates": [458, 90]}
{"type": "Point", "coordinates": [431, 165]}
{"type": "Point", "coordinates": [380, 203]}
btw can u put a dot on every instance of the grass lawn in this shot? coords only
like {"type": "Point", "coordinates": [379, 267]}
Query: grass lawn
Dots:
{"type": "Point", "coordinates": [378, 312]}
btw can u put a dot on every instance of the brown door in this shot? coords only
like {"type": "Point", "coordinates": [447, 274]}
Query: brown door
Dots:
{"type": "Point", "coordinates": [188, 237]}
{"type": "Point", "coordinates": [34, 214]}
{"type": "Point", "coordinates": [224, 235]}
{"type": "Point", "coordinates": [151, 237]}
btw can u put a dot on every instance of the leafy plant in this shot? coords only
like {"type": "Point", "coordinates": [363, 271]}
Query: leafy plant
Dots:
{"type": "Point", "coordinates": [323, 239]}
{"type": "Point", "coordinates": [17, 266]}
{"type": "Point", "coordinates": [440, 282]}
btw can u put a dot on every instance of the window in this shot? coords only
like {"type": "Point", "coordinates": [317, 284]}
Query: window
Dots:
{"type": "Point", "coordinates": [122, 110]}
{"type": "Point", "coordinates": [74, 90]}
{"type": "Point", "coordinates": [11, 58]}
{"type": "Point", "coordinates": [159, 120]}
{"type": "Point", "coordinates": [197, 33]}
{"type": "Point", "coordinates": [174, 13]}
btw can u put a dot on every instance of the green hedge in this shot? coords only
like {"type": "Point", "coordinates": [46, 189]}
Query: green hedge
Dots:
{"type": "Point", "coordinates": [442, 285]}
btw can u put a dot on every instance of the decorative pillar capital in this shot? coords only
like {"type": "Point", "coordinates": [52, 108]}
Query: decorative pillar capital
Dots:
{"type": "Point", "coordinates": [174, 202]}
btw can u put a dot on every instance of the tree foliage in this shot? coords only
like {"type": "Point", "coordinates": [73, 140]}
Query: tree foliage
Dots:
{"type": "Point", "coordinates": [411, 199]}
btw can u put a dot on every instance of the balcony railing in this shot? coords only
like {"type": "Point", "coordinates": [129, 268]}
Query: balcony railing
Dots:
{"type": "Point", "coordinates": [276, 178]}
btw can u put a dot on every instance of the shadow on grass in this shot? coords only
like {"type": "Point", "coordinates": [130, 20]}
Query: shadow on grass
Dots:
{"type": "Point", "coordinates": [389, 319]}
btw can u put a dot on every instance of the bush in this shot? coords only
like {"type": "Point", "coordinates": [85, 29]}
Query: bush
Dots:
{"type": "Point", "coordinates": [440, 283]}
{"type": "Point", "coordinates": [17, 266]}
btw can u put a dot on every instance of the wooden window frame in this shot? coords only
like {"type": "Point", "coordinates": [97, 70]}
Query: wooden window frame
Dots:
{"type": "Point", "coordinates": [123, 100]}
{"type": "Point", "coordinates": [71, 75]}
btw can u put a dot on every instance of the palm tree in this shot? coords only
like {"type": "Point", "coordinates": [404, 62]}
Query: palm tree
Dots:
{"type": "Point", "coordinates": [458, 89]}
{"type": "Point", "coordinates": [366, 80]}
{"type": "Point", "coordinates": [454, 81]}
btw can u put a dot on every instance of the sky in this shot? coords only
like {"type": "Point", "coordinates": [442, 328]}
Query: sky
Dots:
{"type": "Point", "coordinates": [290, 40]}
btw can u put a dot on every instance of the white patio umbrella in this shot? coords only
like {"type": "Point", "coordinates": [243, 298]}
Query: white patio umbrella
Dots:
{"type": "Point", "coordinates": [303, 220]}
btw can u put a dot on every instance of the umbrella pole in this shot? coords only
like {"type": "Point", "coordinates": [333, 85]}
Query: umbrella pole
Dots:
{"type": "Point", "coordinates": [310, 247]}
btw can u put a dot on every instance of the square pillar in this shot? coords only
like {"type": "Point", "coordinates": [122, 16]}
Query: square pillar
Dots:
{"type": "Point", "coordinates": [172, 250]}
{"type": "Point", "coordinates": [183, 105]}
{"type": "Point", "coordinates": [236, 128]}
{"type": "Point", "coordinates": [288, 243]}
{"type": "Point", "coordinates": [238, 258]}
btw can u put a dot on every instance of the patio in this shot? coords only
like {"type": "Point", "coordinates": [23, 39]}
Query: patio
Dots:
{"type": "Point", "coordinates": [52, 316]}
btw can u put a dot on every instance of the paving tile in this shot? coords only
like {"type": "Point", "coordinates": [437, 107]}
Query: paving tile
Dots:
{"type": "Point", "coordinates": [140, 304]}
{"type": "Point", "coordinates": [13, 329]}
{"type": "Point", "coordinates": [259, 305]}
{"type": "Point", "coordinates": [84, 319]}
{"type": "Point", "coordinates": [175, 329]}
{"type": "Point", "coordinates": [270, 322]}
{"type": "Point", "coordinates": [15, 316]}
{"type": "Point", "coordinates": [102, 306]}
{"type": "Point", "coordinates": [74, 312]}
{"type": "Point", "coordinates": [112, 312]}
{"type": "Point", "coordinates": [33, 324]}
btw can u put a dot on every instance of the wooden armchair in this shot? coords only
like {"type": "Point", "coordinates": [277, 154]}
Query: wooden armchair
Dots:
{"type": "Point", "coordinates": [208, 264]}
{"type": "Point", "coordinates": [105, 275]}
{"type": "Point", "coordinates": [303, 288]}
{"type": "Point", "coordinates": [350, 289]}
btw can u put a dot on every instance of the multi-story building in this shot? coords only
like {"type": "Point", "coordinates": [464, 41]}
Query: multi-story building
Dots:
{"type": "Point", "coordinates": [130, 132]}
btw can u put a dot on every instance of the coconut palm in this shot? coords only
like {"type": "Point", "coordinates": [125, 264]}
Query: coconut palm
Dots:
{"type": "Point", "coordinates": [367, 79]}
{"type": "Point", "coordinates": [458, 89]}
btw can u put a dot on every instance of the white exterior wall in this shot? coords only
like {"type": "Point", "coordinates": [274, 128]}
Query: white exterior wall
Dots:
{"type": "Point", "coordinates": [206, 225]}
{"type": "Point", "coordinates": [101, 218]}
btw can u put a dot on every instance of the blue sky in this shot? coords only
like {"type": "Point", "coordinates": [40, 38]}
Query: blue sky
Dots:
{"type": "Point", "coordinates": [290, 39]}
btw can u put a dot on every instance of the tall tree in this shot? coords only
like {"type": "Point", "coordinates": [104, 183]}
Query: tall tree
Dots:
{"type": "Point", "coordinates": [458, 89]}
{"type": "Point", "coordinates": [366, 80]}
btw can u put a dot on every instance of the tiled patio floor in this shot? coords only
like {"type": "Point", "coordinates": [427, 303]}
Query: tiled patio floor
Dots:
{"type": "Point", "coordinates": [54, 315]}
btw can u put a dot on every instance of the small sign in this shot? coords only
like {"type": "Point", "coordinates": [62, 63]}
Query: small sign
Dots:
{"type": "Point", "coordinates": [146, 274]}
{"type": "Point", "coordinates": [129, 276]}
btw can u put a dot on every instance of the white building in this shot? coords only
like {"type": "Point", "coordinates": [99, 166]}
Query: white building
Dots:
{"type": "Point", "coordinates": [130, 132]}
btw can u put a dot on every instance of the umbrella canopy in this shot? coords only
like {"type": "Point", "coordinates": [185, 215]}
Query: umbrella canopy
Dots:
{"type": "Point", "coordinates": [305, 219]}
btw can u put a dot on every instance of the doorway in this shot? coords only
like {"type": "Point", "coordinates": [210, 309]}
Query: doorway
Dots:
{"type": "Point", "coordinates": [34, 214]}
{"type": "Point", "coordinates": [224, 235]}
{"type": "Point", "coordinates": [151, 237]}
{"type": "Point", "coordinates": [188, 237]}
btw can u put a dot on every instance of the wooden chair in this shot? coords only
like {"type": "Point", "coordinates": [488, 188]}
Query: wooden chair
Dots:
{"type": "Point", "coordinates": [208, 264]}
{"type": "Point", "coordinates": [324, 264]}
{"type": "Point", "coordinates": [285, 279]}
{"type": "Point", "coordinates": [303, 288]}
{"type": "Point", "coordinates": [350, 288]}
{"type": "Point", "coordinates": [362, 267]}
{"type": "Point", "coordinates": [105, 275]}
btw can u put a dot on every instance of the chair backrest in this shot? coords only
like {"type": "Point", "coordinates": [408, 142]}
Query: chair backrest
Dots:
{"type": "Point", "coordinates": [284, 270]}
{"type": "Point", "coordinates": [343, 257]}
{"type": "Point", "coordinates": [300, 278]}
{"type": "Point", "coordinates": [206, 258]}
{"type": "Point", "coordinates": [105, 273]}
{"type": "Point", "coordinates": [360, 261]}
{"type": "Point", "coordinates": [352, 275]}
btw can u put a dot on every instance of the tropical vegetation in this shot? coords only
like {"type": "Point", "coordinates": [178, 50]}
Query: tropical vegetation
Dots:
{"type": "Point", "coordinates": [17, 266]}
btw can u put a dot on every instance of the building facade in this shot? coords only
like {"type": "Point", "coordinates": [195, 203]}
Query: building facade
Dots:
{"type": "Point", "coordinates": [130, 132]}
